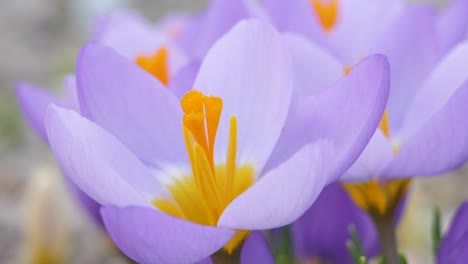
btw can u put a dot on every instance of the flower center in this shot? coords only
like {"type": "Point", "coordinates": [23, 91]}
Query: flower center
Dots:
{"type": "Point", "coordinates": [156, 65]}
{"type": "Point", "coordinates": [379, 199]}
{"type": "Point", "coordinates": [326, 12]}
{"type": "Point", "coordinates": [202, 195]}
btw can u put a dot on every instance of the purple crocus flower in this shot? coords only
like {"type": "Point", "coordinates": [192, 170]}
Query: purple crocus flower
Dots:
{"type": "Point", "coordinates": [170, 192]}
{"type": "Point", "coordinates": [452, 249]}
{"type": "Point", "coordinates": [322, 232]}
{"type": "Point", "coordinates": [422, 132]}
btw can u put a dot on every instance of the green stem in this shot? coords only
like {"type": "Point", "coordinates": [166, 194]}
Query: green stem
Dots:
{"type": "Point", "coordinates": [222, 256]}
{"type": "Point", "coordinates": [386, 228]}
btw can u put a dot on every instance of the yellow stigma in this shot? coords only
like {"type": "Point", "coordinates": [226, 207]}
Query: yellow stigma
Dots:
{"type": "Point", "coordinates": [347, 70]}
{"type": "Point", "coordinates": [384, 124]}
{"type": "Point", "coordinates": [376, 198]}
{"type": "Point", "coordinates": [326, 13]}
{"type": "Point", "coordinates": [202, 195]}
{"type": "Point", "coordinates": [156, 65]}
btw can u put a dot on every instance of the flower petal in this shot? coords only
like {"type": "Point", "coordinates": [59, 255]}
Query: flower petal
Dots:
{"type": "Point", "coordinates": [34, 101]}
{"type": "Point", "coordinates": [283, 194]}
{"type": "Point", "coordinates": [117, 29]}
{"type": "Point", "coordinates": [444, 80]}
{"type": "Point", "coordinates": [322, 234]}
{"type": "Point", "coordinates": [377, 154]}
{"type": "Point", "coordinates": [314, 68]}
{"type": "Point", "coordinates": [346, 113]}
{"type": "Point", "coordinates": [184, 79]}
{"type": "Point", "coordinates": [150, 236]}
{"type": "Point", "coordinates": [453, 246]}
{"type": "Point", "coordinates": [207, 28]}
{"type": "Point", "coordinates": [97, 162]}
{"type": "Point", "coordinates": [132, 105]}
{"type": "Point", "coordinates": [440, 145]}
{"type": "Point", "coordinates": [411, 46]}
{"type": "Point", "coordinates": [249, 68]}
{"type": "Point", "coordinates": [452, 24]}
{"type": "Point", "coordinates": [256, 250]}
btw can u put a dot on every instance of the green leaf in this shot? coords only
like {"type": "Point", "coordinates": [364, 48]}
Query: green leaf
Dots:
{"type": "Point", "coordinates": [355, 248]}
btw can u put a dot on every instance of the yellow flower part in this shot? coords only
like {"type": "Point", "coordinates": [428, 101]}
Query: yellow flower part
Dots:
{"type": "Point", "coordinates": [326, 12]}
{"type": "Point", "coordinates": [202, 195]}
{"type": "Point", "coordinates": [379, 199]}
{"type": "Point", "coordinates": [157, 65]}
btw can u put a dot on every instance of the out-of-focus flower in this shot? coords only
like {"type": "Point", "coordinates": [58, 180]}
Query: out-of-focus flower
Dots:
{"type": "Point", "coordinates": [46, 228]}
{"type": "Point", "coordinates": [453, 246]}
{"type": "Point", "coordinates": [422, 132]}
{"type": "Point", "coordinates": [322, 232]}
{"type": "Point", "coordinates": [165, 183]}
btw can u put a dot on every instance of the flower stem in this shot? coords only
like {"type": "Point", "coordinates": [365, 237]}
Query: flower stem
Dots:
{"type": "Point", "coordinates": [222, 256]}
{"type": "Point", "coordinates": [386, 228]}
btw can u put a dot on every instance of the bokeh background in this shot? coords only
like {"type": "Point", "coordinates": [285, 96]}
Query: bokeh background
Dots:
{"type": "Point", "coordinates": [39, 40]}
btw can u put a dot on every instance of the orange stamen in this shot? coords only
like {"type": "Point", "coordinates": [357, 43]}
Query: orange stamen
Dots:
{"type": "Point", "coordinates": [156, 65]}
{"type": "Point", "coordinates": [326, 13]}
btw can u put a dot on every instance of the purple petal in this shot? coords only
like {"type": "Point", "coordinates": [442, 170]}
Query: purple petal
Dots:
{"type": "Point", "coordinates": [410, 43]}
{"type": "Point", "coordinates": [184, 79]}
{"type": "Point", "coordinates": [92, 207]}
{"type": "Point", "coordinates": [439, 146]}
{"type": "Point", "coordinates": [294, 16]}
{"type": "Point", "coordinates": [97, 162]}
{"type": "Point", "coordinates": [453, 246]}
{"type": "Point", "coordinates": [377, 154]}
{"type": "Point", "coordinates": [204, 30]}
{"type": "Point", "coordinates": [256, 250]}
{"type": "Point", "coordinates": [129, 34]}
{"type": "Point", "coordinates": [314, 68]}
{"type": "Point", "coordinates": [346, 113]}
{"type": "Point", "coordinates": [444, 80]}
{"type": "Point", "coordinates": [322, 232]}
{"type": "Point", "coordinates": [34, 101]}
{"type": "Point", "coordinates": [150, 236]}
{"type": "Point", "coordinates": [250, 70]}
{"type": "Point", "coordinates": [452, 24]}
{"type": "Point", "coordinates": [132, 105]}
{"type": "Point", "coordinates": [283, 194]}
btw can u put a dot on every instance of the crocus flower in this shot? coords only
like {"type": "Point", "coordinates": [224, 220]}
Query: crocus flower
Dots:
{"type": "Point", "coordinates": [181, 181]}
{"type": "Point", "coordinates": [452, 249]}
{"type": "Point", "coordinates": [422, 132]}
{"type": "Point", "coordinates": [322, 232]}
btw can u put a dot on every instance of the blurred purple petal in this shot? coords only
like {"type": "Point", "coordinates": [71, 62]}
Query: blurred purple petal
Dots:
{"type": "Point", "coordinates": [442, 83]}
{"type": "Point", "coordinates": [375, 156]}
{"type": "Point", "coordinates": [34, 101]}
{"type": "Point", "coordinates": [183, 81]}
{"type": "Point", "coordinates": [410, 43]}
{"type": "Point", "coordinates": [439, 146]}
{"type": "Point", "coordinates": [322, 232]}
{"type": "Point", "coordinates": [452, 24]}
{"type": "Point", "coordinates": [147, 235]}
{"type": "Point", "coordinates": [132, 105]}
{"type": "Point", "coordinates": [453, 246]}
{"type": "Point", "coordinates": [314, 68]}
{"type": "Point", "coordinates": [209, 26]}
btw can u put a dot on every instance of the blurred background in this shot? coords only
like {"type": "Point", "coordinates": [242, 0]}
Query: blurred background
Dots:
{"type": "Point", "coordinates": [39, 42]}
